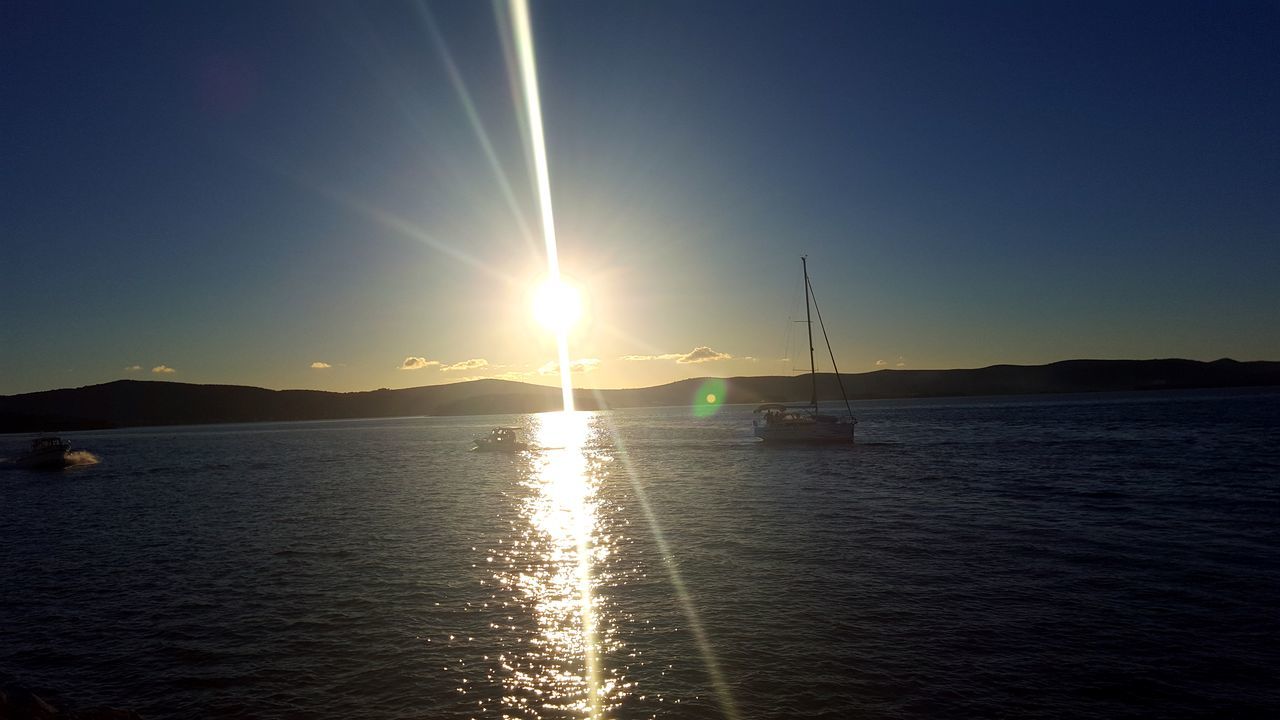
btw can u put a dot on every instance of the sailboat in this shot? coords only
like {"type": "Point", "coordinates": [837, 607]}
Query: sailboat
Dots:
{"type": "Point", "coordinates": [800, 424]}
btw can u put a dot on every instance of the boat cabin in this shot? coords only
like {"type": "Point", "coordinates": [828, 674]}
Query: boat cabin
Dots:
{"type": "Point", "coordinates": [503, 439]}
{"type": "Point", "coordinates": [774, 414]}
{"type": "Point", "coordinates": [503, 434]}
{"type": "Point", "coordinates": [49, 444]}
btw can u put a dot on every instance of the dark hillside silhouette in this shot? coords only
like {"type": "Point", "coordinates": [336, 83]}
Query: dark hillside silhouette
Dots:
{"type": "Point", "coordinates": [126, 403]}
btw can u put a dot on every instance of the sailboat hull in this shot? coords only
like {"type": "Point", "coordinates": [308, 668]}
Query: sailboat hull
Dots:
{"type": "Point", "coordinates": [791, 425]}
{"type": "Point", "coordinates": [810, 433]}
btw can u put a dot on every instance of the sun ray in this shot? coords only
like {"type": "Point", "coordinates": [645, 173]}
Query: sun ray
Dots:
{"type": "Point", "coordinates": [537, 141]}
{"type": "Point", "coordinates": [723, 694]}
{"type": "Point", "coordinates": [394, 222]}
{"type": "Point", "coordinates": [533, 108]}
{"type": "Point", "coordinates": [384, 218]}
{"type": "Point", "coordinates": [473, 116]}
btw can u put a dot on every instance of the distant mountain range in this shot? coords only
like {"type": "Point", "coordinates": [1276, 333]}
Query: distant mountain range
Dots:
{"type": "Point", "coordinates": [125, 403]}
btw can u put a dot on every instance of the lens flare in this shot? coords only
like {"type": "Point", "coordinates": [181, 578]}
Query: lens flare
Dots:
{"type": "Point", "coordinates": [538, 145]}
{"type": "Point", "coordinates": [709, 397]}
{"type": "Point", "coordinates": [557, 306]}
{"type": "Point", "coordinates": [571, 527]}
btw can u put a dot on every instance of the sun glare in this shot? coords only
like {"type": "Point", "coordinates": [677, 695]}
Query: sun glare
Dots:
{"type": "Point", "coordinates": [557, 305]}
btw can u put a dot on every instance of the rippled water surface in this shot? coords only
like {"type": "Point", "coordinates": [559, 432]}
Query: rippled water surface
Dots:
{"type": "Point", "coordinates": [1106, 556]}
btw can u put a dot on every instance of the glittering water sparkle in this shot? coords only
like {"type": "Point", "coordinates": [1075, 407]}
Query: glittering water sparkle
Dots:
{"type": "Point", "coordinates": [549, 569]}
{"type": "Point", "coordinates": [562, 669]}
{"type": "Point", "coordinates": [1113, 553]}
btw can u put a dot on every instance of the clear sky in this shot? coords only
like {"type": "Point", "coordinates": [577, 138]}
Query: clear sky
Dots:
{"type": "Point", "coordinates": [233, 192]}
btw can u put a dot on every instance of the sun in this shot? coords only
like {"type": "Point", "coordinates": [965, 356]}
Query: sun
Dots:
{"type": "Point", "coordinates": [557, 305]}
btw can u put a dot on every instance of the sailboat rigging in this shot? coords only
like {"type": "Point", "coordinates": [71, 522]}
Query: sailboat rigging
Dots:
{"type": "Point", "coordinates": [804, 423]}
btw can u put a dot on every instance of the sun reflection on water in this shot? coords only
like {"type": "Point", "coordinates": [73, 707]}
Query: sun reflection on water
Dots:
{"type": "Point", "coordinates": [557, 560]}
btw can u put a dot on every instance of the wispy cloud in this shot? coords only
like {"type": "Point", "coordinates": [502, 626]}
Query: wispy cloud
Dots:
{"type": "Point", "coordinates": [417, 363]}
{"type": "Point", "coordinates": [133, 368]}
{"type": "Point", "coordinates": [472, 364]}
{"type": "Point", "coordinates": [881, 363]}
{"type": "Point", "coordinates": [582, 365]}
{"type": "Point", "coordinates": [508, 375]}
{"type": "Point", "coordinates": [318, 365]}
{"type": "Point", "coordinates": [664, 356]}
{"type": "Point", "coordinates": [703, 354]}
{"type": "Point", "coordinates": [511, 375]}
{"type": "Point", "coordinates": [163, 370]}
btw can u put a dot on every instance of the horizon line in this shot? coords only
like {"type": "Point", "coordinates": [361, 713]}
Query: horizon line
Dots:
{"type": "Point", "coordinates": [637, 387]}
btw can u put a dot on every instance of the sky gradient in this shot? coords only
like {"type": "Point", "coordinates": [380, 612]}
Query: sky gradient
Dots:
{"type": "Point", "coordinates": [337, 196]}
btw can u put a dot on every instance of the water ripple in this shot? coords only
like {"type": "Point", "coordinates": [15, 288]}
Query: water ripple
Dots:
{"type": "Point", "coordinates": [1099, 556]}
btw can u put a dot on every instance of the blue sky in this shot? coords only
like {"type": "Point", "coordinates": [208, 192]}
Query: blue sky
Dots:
{"type": "Point", "coordinates": [237, 191]}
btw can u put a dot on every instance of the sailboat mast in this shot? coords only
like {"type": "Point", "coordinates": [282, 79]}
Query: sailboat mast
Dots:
{"type": "Point", "coordinates": [808, 321]}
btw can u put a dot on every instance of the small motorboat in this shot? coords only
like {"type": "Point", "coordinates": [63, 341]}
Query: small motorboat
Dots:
{"type": "Point", "coordinates": [500, 439]}
{"type": "Point", "coordinates": [46, 453]}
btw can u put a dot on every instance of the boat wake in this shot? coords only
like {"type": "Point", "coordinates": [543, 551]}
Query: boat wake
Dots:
{"type": "Point", "coordinates": [81, 457]}
{"type": "Point", "coordinates": [73, 458]}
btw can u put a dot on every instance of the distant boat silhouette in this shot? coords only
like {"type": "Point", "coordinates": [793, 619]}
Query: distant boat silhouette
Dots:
{"type": "Point", "coordinates": [803, 424]}
{"type": "Point", "coordinates": [46, 453]}
{"type": "Point", "coordinates": [500, 439]}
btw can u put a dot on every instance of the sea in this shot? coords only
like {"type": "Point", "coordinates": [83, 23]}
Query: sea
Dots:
{"type": "Point", "coordinates": [1053, 556]}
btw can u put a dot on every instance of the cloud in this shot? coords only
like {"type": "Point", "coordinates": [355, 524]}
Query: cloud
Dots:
{"type": "Point", "coordinates": [471, 364]}
{"type": "Point", "coordinates": [509, 375]}
{"type": "Point", "coordinates": [417, 363]}
{"type": "Point", "coordinates": [133, 368]}
{"type": "Point", "coordinates": [881, 363]}
{"type": "Point", "coordinates": [665, 356]}
{"type": "Point", "coordinates": [703, 354]}
{"type": "Point", "coordinates": [582, 365]}
{"type": "Point", "coordinates": [163, 370]}
{"type": "Point", "coordinates": [317, 365]}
